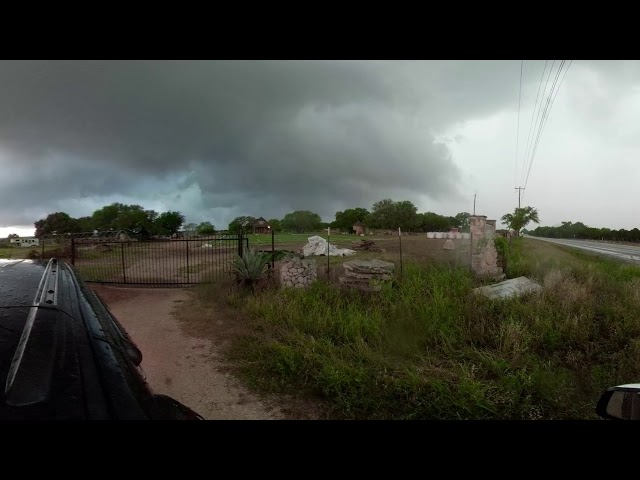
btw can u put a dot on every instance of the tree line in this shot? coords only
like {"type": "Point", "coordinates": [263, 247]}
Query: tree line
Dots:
{"type": "Point", "coordinates": [581, 231]}
{"type": "Point", "coordinates": [385, 214]}
{"type": "Point", "coordinates": [134, 219]}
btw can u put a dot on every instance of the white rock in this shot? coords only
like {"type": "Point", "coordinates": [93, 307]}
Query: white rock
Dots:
{"type": "Point", "coordinates": [509, 288]}
{"type": "Point", "coordinates": [318, 246]}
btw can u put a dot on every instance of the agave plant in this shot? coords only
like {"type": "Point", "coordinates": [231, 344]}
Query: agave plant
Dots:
{"type": "Point", "coordinates": [250, 267]}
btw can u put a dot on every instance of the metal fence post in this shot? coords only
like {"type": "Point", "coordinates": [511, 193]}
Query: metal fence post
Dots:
{"type": "Point", "coordinates": [187, 243]}
{"type": "Point", "coordinates": [400, 242]}
{"type": "Point", "coordinates": [240, 243]}
{"type": "Point", "coordinates": [73, 250]}
{"type": "Point", "coordinates": [328, 251]}
{"type": "Point", "coordinates": [124, 274]}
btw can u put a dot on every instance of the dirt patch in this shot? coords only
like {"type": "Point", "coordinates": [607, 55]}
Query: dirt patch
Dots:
{"type": "Point", "coordinates": [209, 316]}
{"type": "Point", "coordinates": [187, 367]}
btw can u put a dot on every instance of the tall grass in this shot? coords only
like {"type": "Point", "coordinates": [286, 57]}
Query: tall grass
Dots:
{"type": "Point", "coordinates": [429, 348]}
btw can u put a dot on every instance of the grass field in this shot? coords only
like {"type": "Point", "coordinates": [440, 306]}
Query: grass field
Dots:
{"type": "Point", "coordinates": [20, 252]}
{"type": "Point", "coordinates": [430, 349]}
{"type": "Point", "coordinates": [301, 238]}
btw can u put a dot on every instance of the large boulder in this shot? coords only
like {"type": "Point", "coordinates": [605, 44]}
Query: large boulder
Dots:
{"type": "Point", "coordinates": [367, 275]}
{"type": "Point", "coordinates": [318, 246]}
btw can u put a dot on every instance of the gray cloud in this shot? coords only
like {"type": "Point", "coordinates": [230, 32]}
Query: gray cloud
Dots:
{"type": "Point", "coordinates": [220, 139]}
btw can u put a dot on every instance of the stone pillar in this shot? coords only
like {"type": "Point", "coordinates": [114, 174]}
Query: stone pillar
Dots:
{"type": "Point", "coordinates": [477, 224]}
{"type": "Point", "coordinates": [484, 257]}
{"type": "Point", "coordinates": [490, 229]}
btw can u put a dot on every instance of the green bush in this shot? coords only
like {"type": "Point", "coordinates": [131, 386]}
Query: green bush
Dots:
{"type": "Point", "coordinates": [251, 267]}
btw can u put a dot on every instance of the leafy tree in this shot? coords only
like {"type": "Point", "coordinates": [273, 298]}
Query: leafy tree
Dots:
{"type": "Point", "coordinates": [432, 222]}
{"type": "Point", "coordinates": [461, 221]}
{"type": "Point", "coordinates": [391, 215]}
{"type": "Point", "coordinates": [168, 223]}
{"type": "Point", "coordinates": [58, 222]}
{"type": "Point", "coordinates": [104, 218]}
{"type": "Point", "coordinates": [520, 218]}
{"type": "Point", "coordinates": [238, 221]}
{"type": "Point", "coordinates": [86, 224]}
{"type": "Point", "coordinates": [131, 218]}
{"type": "Point", "coordinates": [206, 228]}
{"type": "Point", "coordinates": [406, 215]}
{"type": "Point", "coordinates": [383, 214]}
{"type": "Point", "coordinates": [276, 225]}
{"type": "Point", "coordinates": [301, 221]}
{"type": "Point", "coordinates": [345, 220]}
{"type": "Point", "coordinates": [190, 228]}
{"type": "Point", "coordinates": [13, 235]}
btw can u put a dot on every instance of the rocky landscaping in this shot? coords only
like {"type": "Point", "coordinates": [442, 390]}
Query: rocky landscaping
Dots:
{"type": "Point", "coordinates": [367, 275]}
{"type": "Point", "coordinates": [297, 272]}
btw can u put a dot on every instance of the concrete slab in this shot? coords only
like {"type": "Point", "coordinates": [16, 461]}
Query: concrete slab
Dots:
{"type": "Point", "coordinates": [509, 288]}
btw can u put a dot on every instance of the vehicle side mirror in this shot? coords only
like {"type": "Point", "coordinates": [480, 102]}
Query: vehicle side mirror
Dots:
{"type": "Point", "coordinates": [620, 403]}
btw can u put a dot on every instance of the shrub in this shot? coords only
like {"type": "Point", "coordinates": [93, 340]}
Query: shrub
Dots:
{"type": "Point", "coordinates": [251, 267]}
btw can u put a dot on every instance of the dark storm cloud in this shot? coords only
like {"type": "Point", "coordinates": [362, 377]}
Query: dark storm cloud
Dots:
{"type": "Point", "coordinates": [259, 138]}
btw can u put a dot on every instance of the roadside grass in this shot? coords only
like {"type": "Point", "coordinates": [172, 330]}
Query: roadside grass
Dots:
{"type": "Point", "coordinates": [428, 348]}
{"type": "Point", "coordinates": [23, 252]}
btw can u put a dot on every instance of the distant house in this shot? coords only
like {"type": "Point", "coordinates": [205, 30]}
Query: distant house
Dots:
{"type": "Point", "coordinates": [260, 225]}
{"type": "Point", "coordinates": [358, 228]}
{"type": "Point", "coordinates": [25, 242]}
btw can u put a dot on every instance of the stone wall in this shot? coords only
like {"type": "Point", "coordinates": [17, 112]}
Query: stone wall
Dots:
{"type": "Point", "coordinates": [297, 272]}
{"type": "Point", "coordinates": [484, 256]}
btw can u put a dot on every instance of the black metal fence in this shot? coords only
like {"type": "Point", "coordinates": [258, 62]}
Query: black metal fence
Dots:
{"type": "Point", "coordinates": [126, 260]}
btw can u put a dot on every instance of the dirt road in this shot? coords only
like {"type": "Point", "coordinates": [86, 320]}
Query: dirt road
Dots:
{"type": "Point", "coordinates": [185, 367]}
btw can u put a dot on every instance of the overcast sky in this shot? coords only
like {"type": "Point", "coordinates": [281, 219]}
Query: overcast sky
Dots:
{"type": "Point", "coordinates": [219, 139]}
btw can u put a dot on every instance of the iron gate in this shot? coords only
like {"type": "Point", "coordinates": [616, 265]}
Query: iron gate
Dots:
{"type": "Point", "coordinates": [125, 260]}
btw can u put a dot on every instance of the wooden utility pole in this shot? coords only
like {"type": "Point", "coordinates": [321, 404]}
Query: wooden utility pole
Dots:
{"type": "Point", "coordinates": [519, 194]}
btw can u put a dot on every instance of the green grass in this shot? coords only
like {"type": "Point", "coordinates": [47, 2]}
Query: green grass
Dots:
{"type": "Point", "coordinates": [429, 349]}
{"type": "Point", "coordinates": [99, 272]}
{"type": "Point", "coordinates": [22, 252]}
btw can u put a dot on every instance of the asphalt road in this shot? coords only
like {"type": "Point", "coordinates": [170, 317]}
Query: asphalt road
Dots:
{"type": "Point", "coordinates": [628, 253]}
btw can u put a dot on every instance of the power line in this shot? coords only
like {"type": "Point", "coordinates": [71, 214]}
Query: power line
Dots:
{"type": "Point", "coordinates": [534, 109]}
{"type": "Point", "coordinates": [515, 173]}
{"type": "Point", "coordinates": [542, 119]}
{"type": "Point", "coordinates": [536, 122]}
{"type": "Point", "coordinates": [553, 100]}
{"type": "Point", "coordinates": [548, 112]}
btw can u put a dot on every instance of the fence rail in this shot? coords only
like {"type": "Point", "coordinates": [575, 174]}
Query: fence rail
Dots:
{"type": "Point", "coordinates": [148, 262]}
